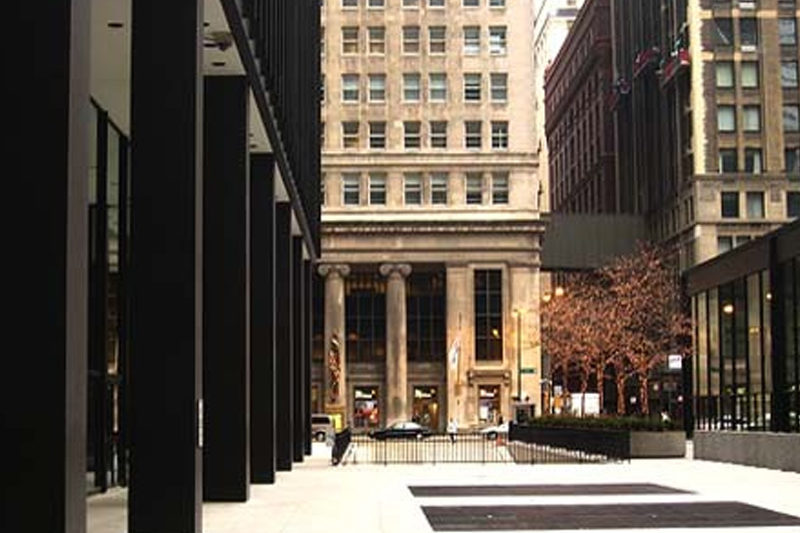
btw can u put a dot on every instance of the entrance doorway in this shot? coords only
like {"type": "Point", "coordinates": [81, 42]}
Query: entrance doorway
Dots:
{"type": "Point", "coordinates": [425, 409]}
{"type": "Point", "coordinates": [489, 404]}
{"type": "Point", "coordinates": [366, 407]}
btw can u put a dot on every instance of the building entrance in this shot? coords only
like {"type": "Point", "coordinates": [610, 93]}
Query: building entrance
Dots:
{"type": "Point", "coordinates": [425, 409]}
{"type": "Point", "coordinates": [489, 404]}
{"type": "Point", "coordinates": [366, 407]}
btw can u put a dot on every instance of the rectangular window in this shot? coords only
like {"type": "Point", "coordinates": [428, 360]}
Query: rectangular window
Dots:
{"type": "Point", "coordinates": [727, 160]}
{"type": "Point", "coordinates": [436, 3]}
{"type": "Point", "coordinates": [411, 3]}
{"type": "Point", "coordinates": [724, 74]}
{"type": "Point", "coordinates": [472, 87]}
{"type": "Point", "coordinates": [497, 3]}
{"type": "Point", "coordinates": [438, 132]}
{"type": "Point", "coordinates": [377, 39]}
{"type": "Point", "coordinates": [497, 40]}
{"type": "Point", "coordinates": [472, 134]}
{"type": "Point", "coordinates": [412, 188]}
{"type": "Point", "coordinates": [349, 3]}
{"type": "Point", "coordinates": [426, 331]}
{"type": "Point", "coordinates": [322, 134]}
{"type": "Point", "coordinates": [748, 33]}
{"type": "Point", "coordinates": [500, 187]}
{"type": "Point", "coordinates": [723, 32]}
{"type": "Point", "coordinates": [499, 135]}
{"type": "Point", "coordinates": [375, 3]}
{"type": "Point", "coordinates": [377, 87]}
{"type": "Point", "coordinates": [488, 298]}
{"type": "Point", "coordinates": [437, 39]}
{"type": "Point", "coordinates": [787, 31]}
{"type": "Point", "coordinates": [791, 118]}
{"type": "Point", "coordinates": [410, 39]}
{"type": "Point", "coordinates": [793, 204]}
{"type": "Point", "coordinates": [350, 40]}
{"type": "Point", "coordinates": [730, 204]}
{"type": "Point", "coordinates": [322, 200]}
{"type": "Point", "coordinates": [411, 135]}
{"type": "Point", "coordinates": [377, 135]}
{"type": "Point", "coordinates": [724, 244]}
{"type": "Point", "coordinates": [437, 86]}
{"type": "Point", "coordinates": [472, 40]}
{"type": "Point", "coordinates": [740, 240]}
{"type": "Point", "coordinates": [755, 204]}
{"type": "Point", "coordinates": [377, 189]}
{"type": "Point", "coordinates": [726, 118]}
{"type": "Point", "coordinates": [322, 41]}
{"type": "Point", "coordinates": [474, 189]}
{"type": "Point", "coordinates": [350, 87]}
{"type": "Point", "coordinates": [322, 87]}
{"type": "Point", "coordinates": [752, 118]}
{"type": "Point", "coordinates": [499, 86]}
{"type": "Point", "coordinates": [471, 3]}
{"type": "Point", "coordinates": [791, 160]}
{"type": "Point", "coordinates": [439, 188]}
{"type": "Point", "coordinates": [365, 335]}
{"type": "Point", "coordinates": [750, 74]}
{"type": "Point", "coordinates": [789, 74]}
{"type": "Point", "coordinates": [411, 87]}
{"type": "Point", "coordinates": [752, 160]}
{"type": "Point", "coordinates": [350, 134]}
{"type": "Point", "coordinates": [351, 189]}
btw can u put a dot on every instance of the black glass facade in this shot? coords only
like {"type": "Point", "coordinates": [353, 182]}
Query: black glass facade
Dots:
{"type": "Point", "coordinates": [365, 323]}
{"type": "Point", "coordinates": [746, 329]}
{"type": "Point", "coordinates": [488, 315]}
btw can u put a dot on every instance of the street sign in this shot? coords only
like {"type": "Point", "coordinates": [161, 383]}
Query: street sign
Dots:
{"type": "Point", "coordinates": [528, 370]}
{"type": "Point", "coordinates": [674, 362]}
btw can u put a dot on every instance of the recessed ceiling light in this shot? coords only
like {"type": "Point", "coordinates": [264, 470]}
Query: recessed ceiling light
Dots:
{"type": "Point", "coordinates": [115, 24]}
{"type": "Point", "coordinates": [210, 44]}
{"type": "Point", "coordinates": [206, 24]}
{"type": "Point", "coordinates": [218, 63]}
{"type": "Point", "coordinates": [253, 145]}
{"type": "Point", "coordinates": [251, 134]}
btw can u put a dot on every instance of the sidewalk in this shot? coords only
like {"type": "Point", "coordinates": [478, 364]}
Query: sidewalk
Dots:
{"type": "Point", "coordinates": [374, 498]}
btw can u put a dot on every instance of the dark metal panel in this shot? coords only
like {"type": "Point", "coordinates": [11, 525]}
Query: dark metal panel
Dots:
{"type": "Point", "coordinates": [298, 357]}
{"type": "Point", "coordinates": [262, 318]}
{"type": "Point", "coordinates": [165, 491]}
{"type": "Point", "coordinates": [284, 338]}
{"type": "Point", "coordinates": [308, 318]}
{"type": "Point", "coordinates": [226, 288]}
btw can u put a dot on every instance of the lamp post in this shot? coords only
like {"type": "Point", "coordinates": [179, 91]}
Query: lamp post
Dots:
{"type": "Point", "coordinates": [518, 313]}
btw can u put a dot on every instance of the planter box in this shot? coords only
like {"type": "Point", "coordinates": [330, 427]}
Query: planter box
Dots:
{"type": "Point", "coordinates": [657, 444]}
{"type": "Point", "coordinates": [779, 451]}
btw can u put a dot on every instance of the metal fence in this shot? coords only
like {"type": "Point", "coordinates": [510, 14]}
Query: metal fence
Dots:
{"type": "Point", "coordinates": [531, 444]}
{"type": "Point", "coordinates": [748, 412]}
{"type": "Point", "coordinates": [473, 447]}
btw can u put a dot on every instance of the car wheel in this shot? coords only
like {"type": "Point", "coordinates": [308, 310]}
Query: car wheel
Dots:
{"type": "Point", "coordinates": [419, 436]}
{"type": "Point", "coordinates": [319, 436]}
{"type": "Point", "coordinates": [491, 435]}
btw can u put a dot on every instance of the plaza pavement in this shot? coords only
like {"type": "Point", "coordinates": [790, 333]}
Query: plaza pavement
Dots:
{"type": "Point", "coordinates": [318, 498]}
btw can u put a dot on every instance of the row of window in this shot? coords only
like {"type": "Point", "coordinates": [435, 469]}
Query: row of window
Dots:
{"type": "Point", "coordinates": [419, 188]}
{"type": "Point", "coordinates": [412, 40]}
{"type": "Point", "coordinates": [754, 204]}
{"type": "Point", "coordinates": [412, 87]}
{"type": "Point", "coordinates": [413, 136]}
{"type": "Point", "coordinates": [753, 160]}
{"type": "Point", "coordinates": [751, 118]}
{"type": "Point", "coordinates": [748, 32]}
{"type": "Point", "coordinates": [749, 74]}
{"type": "Point", "coordinates": [377, 4]}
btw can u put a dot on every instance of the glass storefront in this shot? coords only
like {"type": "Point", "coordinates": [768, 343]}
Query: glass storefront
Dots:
{"type": "Point", "coordinates": [489, 404]}
{"type": "Point", "coordinates": [425, 408]}
{"type": "Point", "coordinates": [366, 407]}
{"type": "Point", "coordinates": [737, 385]}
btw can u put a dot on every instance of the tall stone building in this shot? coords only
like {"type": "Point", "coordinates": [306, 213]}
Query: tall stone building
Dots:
{"type": "Point", "coordinates": [707, 119]}
{"type": "Point", "coordinates": [430, 221]}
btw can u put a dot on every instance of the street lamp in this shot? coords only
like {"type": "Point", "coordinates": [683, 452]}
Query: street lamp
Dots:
{"type": "Point", "coordinates": [518, 314]}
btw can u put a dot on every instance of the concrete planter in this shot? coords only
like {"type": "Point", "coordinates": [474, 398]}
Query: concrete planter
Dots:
{"type": "Point", "coordinates": [657, 444]}
{"type": "Point", "coordinates": [780, 451]}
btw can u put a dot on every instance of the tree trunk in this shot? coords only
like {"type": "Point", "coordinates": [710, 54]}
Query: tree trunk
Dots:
{"type": "Point", "coordinates": [643, 395]}
{"type": "Point", "coordinates": [620, 381]}
{"type": "Point", "coordinates": [599, 372]}
{"type": "Point", "coordinates": [584, 388]}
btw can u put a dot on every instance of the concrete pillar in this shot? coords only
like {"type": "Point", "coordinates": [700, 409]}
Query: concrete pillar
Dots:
{"type": "Point", "coordinates": [335, 394]}
{"type": "Point", "coordinates": [396, 360]}
{"type": "Point", "coordinates": [524, 297]}
{"type": "Point", "coordinates": [459, 323]}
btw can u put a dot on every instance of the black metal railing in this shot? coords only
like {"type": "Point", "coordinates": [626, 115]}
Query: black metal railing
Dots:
{"type": "Point", "coordinates": [531, 444]}
{"type": "Point", "coordinates": [465, 447]}
{"type": "Point", "coordinates": [340, 444]}
{"type": "Point", "coordinates": [748, 412]}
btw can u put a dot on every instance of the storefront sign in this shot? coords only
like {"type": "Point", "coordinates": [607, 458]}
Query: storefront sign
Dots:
{"type": "Point", "coordinates": [675, 362]}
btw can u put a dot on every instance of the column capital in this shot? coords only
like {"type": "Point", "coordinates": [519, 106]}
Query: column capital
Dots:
{"type": "Point", "coordinates": [334, 269]}
{"type": "Point", "coordinates": [391, 269]}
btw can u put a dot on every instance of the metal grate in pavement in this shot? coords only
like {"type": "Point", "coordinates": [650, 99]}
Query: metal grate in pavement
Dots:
{"type": "Point", "coordinates": [594, 489]}
{"type": "Point", "coordinates": [622, 516]}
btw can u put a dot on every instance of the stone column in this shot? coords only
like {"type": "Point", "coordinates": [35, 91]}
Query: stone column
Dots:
{"type": "Point", "coordinates": [396, 361]}
{"type": "Point", "coordinates": [459, 324]}
{"type": "Point", "coordinates": [525, 297]}
{"type": "Point", "coordinates": [335, 393]}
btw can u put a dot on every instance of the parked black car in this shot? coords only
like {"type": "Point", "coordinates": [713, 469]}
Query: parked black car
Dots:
{"type": "Point", "coordinates": [401, 430]}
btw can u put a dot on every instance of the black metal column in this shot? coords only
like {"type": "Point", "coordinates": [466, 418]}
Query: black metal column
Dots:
{"type": "Point", "coordinates": [308, 274]}
{"type": "Point", "coordinates": [779, 419]}
{"type": "Point", "coordinates": [262, 318]}
{"type": "Point", "coordinates": [298, 360]}
{"type": "Point", "coordinates": [166, 413]}
{"type": "Point", "coordinates": [226, 289]}
{"type": "Point", "coordinates": [284, 338]}
{"type": "Point", "coordinates": [43, 369]}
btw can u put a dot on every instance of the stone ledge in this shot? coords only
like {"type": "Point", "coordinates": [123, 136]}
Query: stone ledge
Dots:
{"type": "Point", "coordinates": [780, 451]}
